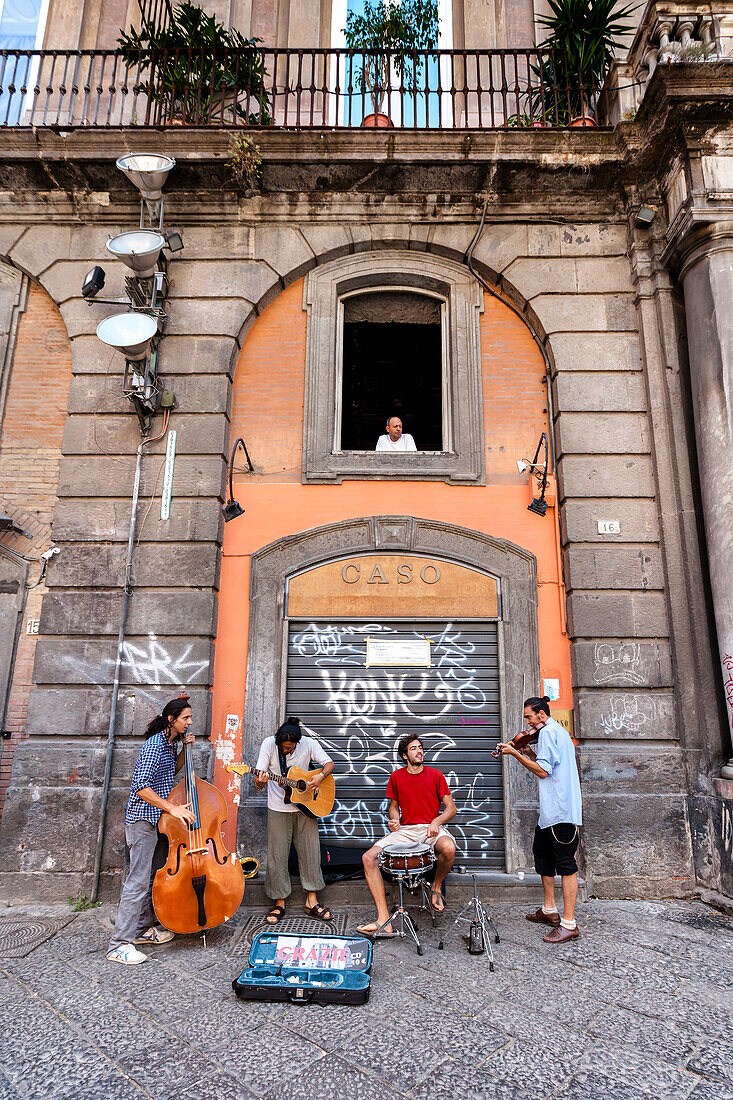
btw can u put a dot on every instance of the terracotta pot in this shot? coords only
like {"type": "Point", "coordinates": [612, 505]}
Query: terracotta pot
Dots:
{"type": "Point", "coordinates": [583, 120]}
{"type": "Point", "coordinates": [538, 125]}
{"type": "Point", "coordinates": [378, 121]}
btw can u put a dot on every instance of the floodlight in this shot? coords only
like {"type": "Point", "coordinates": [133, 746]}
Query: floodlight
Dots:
{"type": "Point", "coordinates": [129, 333]}
{"type": "Point", "coordinates": [147, 171]}
{"type": "Point", "coordinates": [522, 465]}
{"type": "Point", "coordinates": [538, 506]}
{"type": "Point", "coordinates": [173, 241]}
{"type": "Point", "coordinates": [93, 282]}
{"type": "Point", "coordinates": [645, 215]}
{"type": "Point", "coordinates": [139, 249]}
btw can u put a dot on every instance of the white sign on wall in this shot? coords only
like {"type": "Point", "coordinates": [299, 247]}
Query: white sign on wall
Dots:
{"type": "Point", "coordinates": [396, 652]}
{"type": "Point", "coordinates": [170, 459]}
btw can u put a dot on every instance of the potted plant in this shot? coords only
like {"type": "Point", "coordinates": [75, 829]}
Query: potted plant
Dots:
{"type": "Point", "coordinates": [584, 35]}
{"type": "Point", "coordinates": [199, 72]}
{"type": "Point", "coordinates": [388, 35]}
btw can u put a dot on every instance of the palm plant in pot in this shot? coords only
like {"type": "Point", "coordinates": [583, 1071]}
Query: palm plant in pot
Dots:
{"type": "Point", "coordinates": [584, 35]}
{"type": "Point", "coordinates": [388, 36]}
{"type": "Point", "coordinates": [198, 71]}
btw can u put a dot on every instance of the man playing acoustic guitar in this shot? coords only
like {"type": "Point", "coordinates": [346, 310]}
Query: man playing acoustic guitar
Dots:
{"type": "Point", "coordinates": [420, 804]}
{"type": "Point", "coordinates": [286, 824]}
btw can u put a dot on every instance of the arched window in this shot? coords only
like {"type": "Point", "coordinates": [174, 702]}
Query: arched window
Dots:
{"type": "Point", "coordinates": [393, 333]}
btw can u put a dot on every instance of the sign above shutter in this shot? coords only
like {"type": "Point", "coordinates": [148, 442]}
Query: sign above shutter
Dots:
{"type": "Point", "coordinates": [393, 586]}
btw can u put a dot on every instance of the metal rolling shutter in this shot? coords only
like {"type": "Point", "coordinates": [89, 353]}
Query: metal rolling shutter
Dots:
{"type": "Point", "coordinates": [360, 713]}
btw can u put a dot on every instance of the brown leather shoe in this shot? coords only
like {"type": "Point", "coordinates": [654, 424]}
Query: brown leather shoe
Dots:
{"type": "Point", "coordinates": [538, 917]}
{"type": "Point", "coordinates": [561, 935]}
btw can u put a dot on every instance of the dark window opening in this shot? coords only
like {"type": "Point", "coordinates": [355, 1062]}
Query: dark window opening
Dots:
{"type": "Point", "coordinates": [392, 366]}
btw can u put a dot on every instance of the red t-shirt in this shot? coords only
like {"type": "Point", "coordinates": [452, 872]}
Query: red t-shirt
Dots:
{"type": "Point", "coordinates": [419, 795]}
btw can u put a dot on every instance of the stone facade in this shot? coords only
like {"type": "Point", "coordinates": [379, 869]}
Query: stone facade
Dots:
{"type": "Point", "coordinates": [613, 307]}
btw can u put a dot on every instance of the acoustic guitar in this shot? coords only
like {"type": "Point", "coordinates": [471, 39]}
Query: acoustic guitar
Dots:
{"type": "Point", "coordinates": [315, 803]}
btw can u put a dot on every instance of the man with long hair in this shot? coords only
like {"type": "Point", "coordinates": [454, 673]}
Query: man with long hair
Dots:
{"type": "Point", "coordinates": [152, 781]}
{"type": "Point", "coordinates": [286, 824]}
{"type": "Point", "coordinates": [561, 815]}
{"type": "Point", "coordinates": [420, 805]}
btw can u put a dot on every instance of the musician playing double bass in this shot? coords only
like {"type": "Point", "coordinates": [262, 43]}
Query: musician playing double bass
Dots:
{"type": "Point", "coordinates": [556, 836]}
{"type": "Point", "coordinates": [420, 805]}
{"type": "Point", "coordinates": [152, 781]}
{"type": "Point", "coordinates": [286, 824]}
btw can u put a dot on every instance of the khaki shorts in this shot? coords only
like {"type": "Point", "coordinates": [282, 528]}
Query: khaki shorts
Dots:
{"type": "Point", "coordinates": [411, 834]}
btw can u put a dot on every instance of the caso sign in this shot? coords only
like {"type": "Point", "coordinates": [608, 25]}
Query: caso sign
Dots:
{"type": "Point", "coordinates": [403, 572]}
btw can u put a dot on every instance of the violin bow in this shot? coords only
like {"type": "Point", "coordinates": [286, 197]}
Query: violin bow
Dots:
{"type": "Point", "coordinates": [496, 754]}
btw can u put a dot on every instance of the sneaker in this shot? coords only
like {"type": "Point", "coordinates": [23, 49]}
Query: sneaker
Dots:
{"type": "Point", "coordinates": [126, 954]}
{"type": "Point", "coordinates": [155, 935]}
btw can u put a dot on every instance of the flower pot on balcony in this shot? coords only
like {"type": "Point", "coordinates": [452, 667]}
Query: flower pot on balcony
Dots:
{"type": "Point", "coordinates": [377, 121]}
{"type": "Point", "coordinates": [583, 120]}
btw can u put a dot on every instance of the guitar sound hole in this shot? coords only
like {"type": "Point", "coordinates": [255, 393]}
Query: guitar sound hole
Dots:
{"type": "Point", "coordinates": [301, 784]}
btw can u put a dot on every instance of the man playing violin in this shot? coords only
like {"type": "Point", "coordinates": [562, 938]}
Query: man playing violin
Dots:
{"type": "Point", "coordinates": [556, 836]}
{"type": "Point", "coordinates": [420, 804]}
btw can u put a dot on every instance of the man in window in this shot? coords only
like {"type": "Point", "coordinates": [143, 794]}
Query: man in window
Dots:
{"type": "Point", "coordinates": [394, 440]}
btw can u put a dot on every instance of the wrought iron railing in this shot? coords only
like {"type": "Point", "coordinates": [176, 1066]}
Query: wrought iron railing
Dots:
{"type": "Point", "coordinates": [293, 89]}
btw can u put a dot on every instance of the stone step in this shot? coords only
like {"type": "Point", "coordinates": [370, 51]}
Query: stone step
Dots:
{"type": "Point", "coordinates": [493, 887]}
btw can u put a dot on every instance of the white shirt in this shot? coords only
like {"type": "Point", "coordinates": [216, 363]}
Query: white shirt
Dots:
{"type": "Point", "coordinates": [404, 443]}
{"type": "Point", "coordinates": [560, 790]}
{"type": "Point", "coordinates": [306, 750]}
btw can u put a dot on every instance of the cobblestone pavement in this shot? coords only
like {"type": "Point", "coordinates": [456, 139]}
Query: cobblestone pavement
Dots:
{"type": "Point", "coordinates": [640, 1006]}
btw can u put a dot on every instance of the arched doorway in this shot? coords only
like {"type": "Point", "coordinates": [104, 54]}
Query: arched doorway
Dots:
{"type": "Point", "coordinates": [411, 625]}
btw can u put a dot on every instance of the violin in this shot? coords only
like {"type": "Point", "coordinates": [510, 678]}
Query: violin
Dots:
{"type": "Point", "coordinates": [521, 741]}
{"type": "Point", "coordinates": [202, 883]}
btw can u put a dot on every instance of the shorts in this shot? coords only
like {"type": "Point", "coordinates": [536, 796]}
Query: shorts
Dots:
{"type": "Point", "coordinates": [554, 849]}
{"type": "Point", "coordinates": [411, 834]}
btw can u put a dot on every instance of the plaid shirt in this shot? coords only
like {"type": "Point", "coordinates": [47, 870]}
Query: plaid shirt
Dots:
{"type": "Point", "coordinates": [155, 768]}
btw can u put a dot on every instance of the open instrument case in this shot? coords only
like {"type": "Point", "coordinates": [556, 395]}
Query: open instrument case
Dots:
{"type": "Point", "coordinates": [306, 969]}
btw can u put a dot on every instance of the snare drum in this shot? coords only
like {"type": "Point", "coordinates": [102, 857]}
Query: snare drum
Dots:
{"type": "Point", "coordinates": [401, 859]}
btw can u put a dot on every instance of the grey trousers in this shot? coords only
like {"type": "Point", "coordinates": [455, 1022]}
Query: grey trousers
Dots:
{"type": "Point", "coordinates": [284, 829]}
{"type": "Point", "coordinates": [135, 912]}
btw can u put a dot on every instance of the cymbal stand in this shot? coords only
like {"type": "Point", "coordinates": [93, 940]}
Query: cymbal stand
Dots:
{"type": "Point", "coordinates": [475, 915]}
{"type": "Point", "coordinates": [400, 918]}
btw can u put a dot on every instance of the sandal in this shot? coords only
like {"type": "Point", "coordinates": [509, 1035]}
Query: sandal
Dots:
{"type": "Point", "coordinates": [319, 912]}
{"type": "Point", "coordinates": [433, 906]}
{"type": "Point", "coordinates": [277, 914]}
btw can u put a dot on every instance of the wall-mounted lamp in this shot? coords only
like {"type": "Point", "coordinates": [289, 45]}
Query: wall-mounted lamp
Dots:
{"type": "Point", "coordinates": [148, 172]}
{"type": "Point", "coordinates": [138, 249]}
{"type": "Point", "coordinates": [538, 505]}
{"type": "Point", "coordinates": [130, 333]}
{"type": "Point", "coordinates": [8, 526]}
{"type": "Point", "coordinates": [645, 216]}
{"type": "Point", "coordinates": [232, 509]}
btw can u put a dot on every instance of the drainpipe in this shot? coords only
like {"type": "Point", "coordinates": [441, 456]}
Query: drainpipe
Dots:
{"type": "Point", "coordinates": [550, 408]}
{"type": "Point", "coordinates": [126, 593]}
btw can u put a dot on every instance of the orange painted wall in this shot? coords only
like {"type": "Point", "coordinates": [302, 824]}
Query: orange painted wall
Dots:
{"type": "Point", "coordinates": [268, 414]}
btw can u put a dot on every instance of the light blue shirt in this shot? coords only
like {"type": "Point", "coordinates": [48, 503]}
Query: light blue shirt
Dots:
{"type": "Point", "coordinates": [560, 790]}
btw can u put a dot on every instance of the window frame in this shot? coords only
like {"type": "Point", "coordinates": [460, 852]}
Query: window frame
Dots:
{"type": "Point", "coordinates": [445, 431]}
{"type": "Point", "coordinates": [384, 270]}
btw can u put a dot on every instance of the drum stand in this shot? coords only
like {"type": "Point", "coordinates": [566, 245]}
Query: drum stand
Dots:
{"type": "Point", "coordinates": [475, 915]}
{"type": "Point", "coordinates": [400, 918]}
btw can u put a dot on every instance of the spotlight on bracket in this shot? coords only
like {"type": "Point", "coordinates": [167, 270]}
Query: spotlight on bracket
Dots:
{"type": "Point", "coordinates": [232, 509]}
{"type": "Point", "coordinates": [139, 249]}
{"type": "Point", "coordinates": [130, 333]}
{"type": "Point", "coordinates": [147, 171]}
{"type": "Point", "coordinates": [538, 505]}
{"type": "Point", "coordinates": [645, 215]}
{"type": "Point", "coordinates": [173, 241]}
{"type": "Point", "coordinates": [93, 282]}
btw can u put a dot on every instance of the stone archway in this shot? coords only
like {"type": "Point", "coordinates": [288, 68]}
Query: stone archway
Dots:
{"type": "Point", "coordinates": [273, 565]}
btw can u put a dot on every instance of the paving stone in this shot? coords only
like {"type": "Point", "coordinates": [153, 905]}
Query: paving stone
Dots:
{"type": "Point", "coordinates": [7, 1091]}
{"type": "Point", "coordinates": [271, 1054]}
{"type": "Point", "coordinates": [517, 1071]}
{"type": "Point", "coordinates": [660, 1040]}
{"type": "Point", "coordinates": [219, 1087]}
{"type": "Point", "coordinates": [333, 1078]}
{"type": "Point", "coordinates": [711, 1090]}
{"type": "Point", "coordinates": [713, 1060]}
{"type": "Point", "coordinates": [633, 1067]}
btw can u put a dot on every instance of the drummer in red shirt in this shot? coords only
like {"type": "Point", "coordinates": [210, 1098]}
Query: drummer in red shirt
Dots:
{"type": "Point", "coordinates": [420, 804]}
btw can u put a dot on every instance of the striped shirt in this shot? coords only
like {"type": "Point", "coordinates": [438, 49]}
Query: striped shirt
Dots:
{"type": "Point", "coordinates": [155, 768]}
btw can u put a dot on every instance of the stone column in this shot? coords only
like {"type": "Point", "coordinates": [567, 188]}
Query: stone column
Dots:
{"type": "Point", "coordinates": [706, 274]}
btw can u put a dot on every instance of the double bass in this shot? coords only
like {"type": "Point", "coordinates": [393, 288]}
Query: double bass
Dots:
{"type": "Point", "coordinates": [202, 883]}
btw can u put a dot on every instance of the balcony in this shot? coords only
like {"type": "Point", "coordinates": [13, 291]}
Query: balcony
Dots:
{"type": "Point", "coordinates": [454, 90]}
